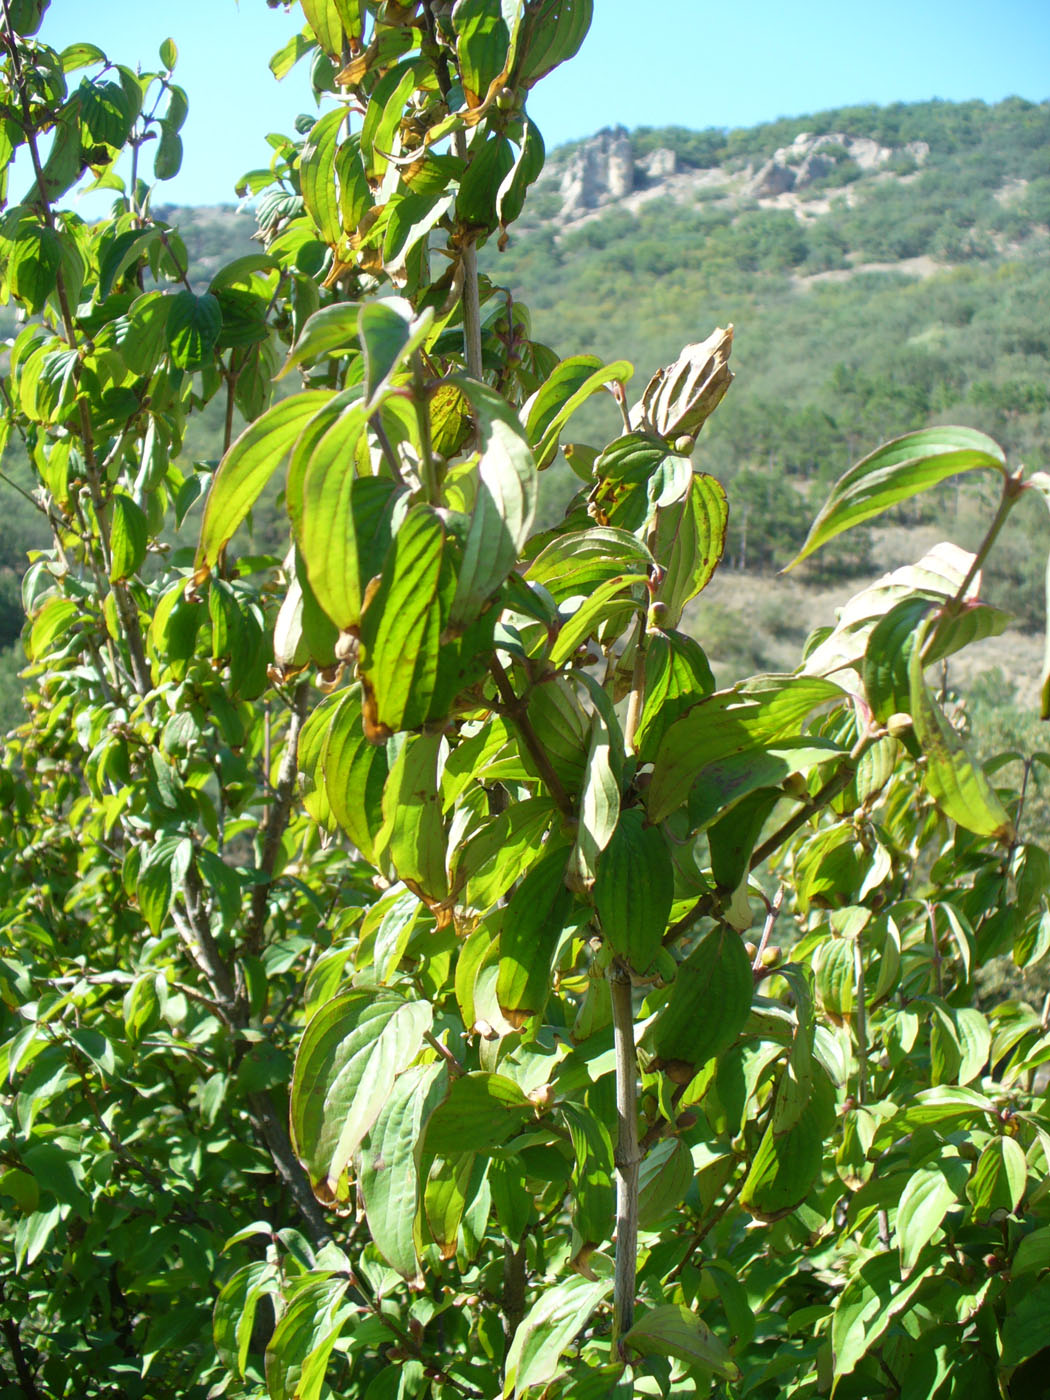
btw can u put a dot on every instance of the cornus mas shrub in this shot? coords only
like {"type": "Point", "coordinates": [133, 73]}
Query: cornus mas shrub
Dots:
{"type": "Point", "coordinates": [420, 978]}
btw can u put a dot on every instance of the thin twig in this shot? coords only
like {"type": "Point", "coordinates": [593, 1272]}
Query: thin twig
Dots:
{"type": "Point", "coordinates": [277, 818]}
{"type": "Point", "coordinates": [455, 1069]}
{"type": "Point", "coordinates": [834, 785]}
{"type": "Point", "coordinates": [772, 914]}
{"type": "Point", "coordinates": [517, 710]}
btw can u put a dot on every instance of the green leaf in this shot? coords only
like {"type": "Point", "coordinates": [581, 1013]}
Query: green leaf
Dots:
{"type": "Point", "coordinates": [569, 386]}
{"type": "Point", "coordinates": [709, 1002]}
{"type": "Point", "coordinates": [389, 1172]}
{"type": "Point", "coordinates": [690, 541]}
{"type": "Point", "coordinates": [235, 1309]}
{"type": "Point", "coordinates": [332, 328]}
{"type": "Point", "coordinates": [120, 253]}
{"type": "Point", "coordinates": [557, 30]}
{"type": "Point", "coordinates": [1032, 1255]}
{"type": "Point", "coordinates": [946, 1104]}
{"type": "Point", "coordinates": [593, 1192]}
{"type": "Point", "coordinates": [954, 780]}
{"type": "Point", "coordinates": [787, 1164]}
{"type": "Point", "coordinates": [634, 888]}
{"type": "Point", "coordinates": [384, 113]}
{"type": "Point", "coordinates": [145, 340]}
{"type": "Point", "coordinates": [677, 675]}
{"type": "Point", "coordinates": [22, 1188]}
{"type": "Point", "coordinates": [390, 332]}
{"type": "Point", "coordinates": [401, 628]}
{"type": "Point", "coordinates": [613, 601]}
{"type": "Point", "coordinates": [1026, 1330]}
{"type": "Point", "coordinates": [345, 522]}
{"type": "Point", "coordinates": [81, 55]}
{"type": "Point", "coordinates": [482, 41]}
{"type": "Point", "coordinates": [129, 535]}
{"type": "Point", "coordinates": [547, 1330]}
{"type": "Point", "coordinates": [573, 565]}
{"type": "Point", "coordinates": [104, 112]}
{"type": "Point", "coordinates": [33, 264]}
{"type": "Point", "coordinates": [999, 1178]}
{"type": "Point", "coordinates": [317, 172]}
{"type": "Point", "coordinates": [194, 323]}
{"type": "Point", "coordinates": [413, 835]}
{"type": "Point", "coordinates": [167, 159]}
{"type": "Point", "coordinates": [289, 54]}
{"type": "Point", "coordinates": [325, 18]}
{"type": "Point", "coordinates": [501, 519]}
{"type": "Point", "coordinates": [246, 469]}
{"type": "Point", "coordinates": [169, 54]}
{"type": "Point", "coordinates": [664, 1179]}
{"type": "Point", "coordinates": [927, 1197]}
{"type": "Point", "coordinates": [297, 1353]}
{"type": "Point", "coordinates": [731, 779]}
{"type": "Point", "coordinates": [834, 977]}
{"type": "Point", "coordinates": [734, 725]}
{"type": "Point", "coordinates": [672, 1330]}
{"type": "Point", "coordinates": [529, 163]}
{"type": "Point", "coordinates": [491, 162]}
{"type": "Point", "coordinates": [481, 1113]}
{"type": "Point", "coordinates": [599, 799]}
{"type": "Point", "coordinates": [354, 773]}
{"type": "Point", "coordinates": [351, 1052]}
{"type": "Point", "coordinates": [872, 1297]}
{"type": "Point", "coordinates": [536, 915]}
{"type": "Point", "coordinates": [938, 576]}
{"type": "Point", "coordinates": [445, 1199]}
{"type": "Point", "coordinates": [160, 878]}
{"type": "Point", "coordinates": [55, 619]}
{"type": "Point", "coordinates": [501, 851]}
{"type": "Point", "coordinates": [896, 471]}
{"type": "Point", "coordinates": [731, 839]}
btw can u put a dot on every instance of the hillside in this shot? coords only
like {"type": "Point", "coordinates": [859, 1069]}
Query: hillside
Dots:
{"type": "Point", "coordinates": [884, 268]}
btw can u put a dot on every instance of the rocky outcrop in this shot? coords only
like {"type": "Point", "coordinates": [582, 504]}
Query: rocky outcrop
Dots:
{"type": "Point", "coordinates": [603, 170]}
{"type": "Point", "coordinates": [599, 170]}
{"type": "Point", "coordinates": [773, 178]}
{"type": "Point", "coordinates": [657, 165]}
{"type": "Point", "coordinates": [810, 158]}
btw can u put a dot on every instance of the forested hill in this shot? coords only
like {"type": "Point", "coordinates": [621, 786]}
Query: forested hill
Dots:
{"type": "Point", "coordinates": [883, 267]}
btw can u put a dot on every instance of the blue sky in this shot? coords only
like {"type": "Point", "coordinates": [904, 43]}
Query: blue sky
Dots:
{"type": "Point", "coordinates": [687, 62]}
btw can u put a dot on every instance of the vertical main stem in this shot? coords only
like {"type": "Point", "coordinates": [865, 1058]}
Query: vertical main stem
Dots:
{"type": "Point", "coordinates": [860, 1021]}
{"type": "Point", "coordinates": [626, 1154]}
{"type": "Point", "coordinates": [472, 312]}
{"type": "Point", "coordinates": [471, 294]}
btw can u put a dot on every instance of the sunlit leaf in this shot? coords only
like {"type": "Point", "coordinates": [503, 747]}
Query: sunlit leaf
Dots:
{"type": "Point", "coordinates": [900, 469]}
{"type": "Point", "coordinates": [350, 1054]}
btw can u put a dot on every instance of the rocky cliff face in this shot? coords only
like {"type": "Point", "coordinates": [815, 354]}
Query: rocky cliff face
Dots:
{"type": "Point", "coordinates": [810, 158]}
{"type": "Point", "coordinates": [603, 170]}
{"type": "Point", "coordinates": [599, 171]}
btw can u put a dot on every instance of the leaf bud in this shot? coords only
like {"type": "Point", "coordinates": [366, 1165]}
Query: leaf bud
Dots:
{"type": "Point", "coordinates": [680, 398]}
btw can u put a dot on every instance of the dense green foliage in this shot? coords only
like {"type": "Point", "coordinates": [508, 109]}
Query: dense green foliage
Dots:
{"type": "Point", "coordinates": [376, 1015]}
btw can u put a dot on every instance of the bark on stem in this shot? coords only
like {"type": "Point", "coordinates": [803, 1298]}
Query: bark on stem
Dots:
{"type": "Point", "coordinates": [626, 1155]}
